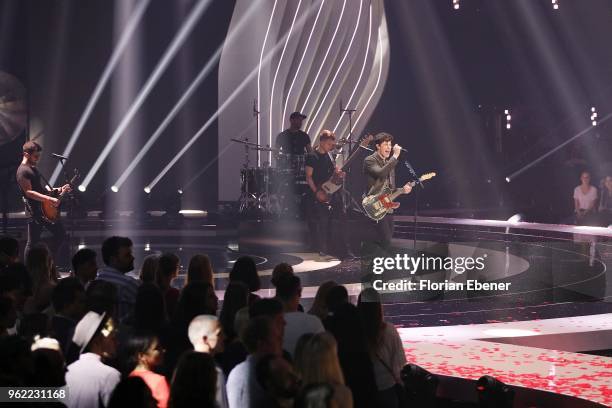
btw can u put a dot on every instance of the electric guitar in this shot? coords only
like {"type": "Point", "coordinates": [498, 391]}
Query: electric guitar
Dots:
{"type": "Point", "coordinates": [335, 181]}
{"type": "Point", "coordinates": [376, 206]}
{"type": "Point", "coordinates": [51, 212]}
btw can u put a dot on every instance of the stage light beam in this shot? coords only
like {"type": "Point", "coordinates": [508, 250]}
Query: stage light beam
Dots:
{"type": "Point", "coordinates": [225, 104]}
{"type": "Point", "coordinates": [206, 70]}
{"type": "Point", "coordinates": [173, 48]}
{"type": "Point", "coordinates": [130, 27]}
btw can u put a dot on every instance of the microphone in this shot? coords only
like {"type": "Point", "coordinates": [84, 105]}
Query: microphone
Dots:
{"type": "Point", "coordinates": [59, 156]}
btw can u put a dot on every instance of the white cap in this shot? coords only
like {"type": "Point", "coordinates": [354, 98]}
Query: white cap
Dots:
{"type": "Point", "coordinates": [86, 329]}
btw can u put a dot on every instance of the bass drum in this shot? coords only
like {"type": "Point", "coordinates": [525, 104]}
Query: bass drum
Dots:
{"type": "Point", "coordinates": [258, 180]}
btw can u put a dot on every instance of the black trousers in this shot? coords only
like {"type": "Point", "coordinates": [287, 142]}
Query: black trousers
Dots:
{"type": "Point", "coordinates": [325, 221]}
{"type": "Point", "coordinates": [58, 240]}
{"type": "Point", "coordinates": [383, 232]}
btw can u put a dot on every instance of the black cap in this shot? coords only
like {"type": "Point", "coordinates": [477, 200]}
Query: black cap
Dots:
{"type": "Point", "coordinates": [297, 114]}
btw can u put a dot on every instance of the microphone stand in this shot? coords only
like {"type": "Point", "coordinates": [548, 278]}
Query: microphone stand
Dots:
{"type": "Point", "coordinates": [70, 210]}
{"type": "Point", "coordinates": [416, 201]}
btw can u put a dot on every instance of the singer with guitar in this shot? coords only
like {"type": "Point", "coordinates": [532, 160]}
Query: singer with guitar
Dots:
{"type": "Point", "coordinates": [379, 169]}
{"type": "Point", "coordinates": [320, 168]}
{"type": "Point", "coordinates": [32, 183]}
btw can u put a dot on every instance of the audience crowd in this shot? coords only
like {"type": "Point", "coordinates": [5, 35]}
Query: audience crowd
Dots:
{"type": "Point", "coordinates": [115, 340]}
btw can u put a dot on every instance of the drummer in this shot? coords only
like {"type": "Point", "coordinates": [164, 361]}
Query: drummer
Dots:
{"type": "Point", "coordinates": [294, 140]}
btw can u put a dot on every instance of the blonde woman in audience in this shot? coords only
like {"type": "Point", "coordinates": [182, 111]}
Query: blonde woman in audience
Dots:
{"type": "Point", "coordinates": [322, 366]}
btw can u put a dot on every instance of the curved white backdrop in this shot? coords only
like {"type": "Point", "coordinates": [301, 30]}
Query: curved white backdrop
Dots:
{"type": "Point", "coordinates": [306, 55]}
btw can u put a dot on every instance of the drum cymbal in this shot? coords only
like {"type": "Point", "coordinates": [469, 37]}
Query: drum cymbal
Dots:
{"type": "Point", "coordinates": [255, 146]}
{"type": "Point", "coordinates": [13, 112]}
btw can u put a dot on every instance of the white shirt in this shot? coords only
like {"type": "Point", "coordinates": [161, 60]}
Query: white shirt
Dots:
{"type": "Point", "coordinates": [585, 200]}
{"type": "Point", "coordinates": [298, 324]}
{"type": "Point", "coordinates": [391, 352]}
{"type": "Point", "coordinates": [90, 382]}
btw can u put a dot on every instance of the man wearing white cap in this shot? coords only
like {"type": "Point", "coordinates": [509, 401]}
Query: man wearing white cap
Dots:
{"type": "Point", "coordinates": [90, 382]}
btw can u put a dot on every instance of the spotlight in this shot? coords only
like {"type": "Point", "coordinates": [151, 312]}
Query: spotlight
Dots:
{"type": "Point", "coordinates": [593, 116]}
{"type": "Point", "coordinates": [115, 189]}
{"type": "Point", "coordinates": [515, 219]}
{"type": "Point", "coordinates": [507, 179]}
{"type": "Point", "coordinates": [82, 188]}
{"type": "Point", "coordinates": [555, 4]}
{"type": "Point", "coordinates": [147, 190]}
{"type": "Point", "coordinates": [147, 247]}
{"type": "Point", "coordinates": [456, 4]}
{"type": "Point", "coordinates": [179, 191]}
{"type": "Point", "coordinates": [494, 393]}
{"type": "Point", "coordinates": [420, 384]}
{"type": "Point", "coordinates": [508, 118]}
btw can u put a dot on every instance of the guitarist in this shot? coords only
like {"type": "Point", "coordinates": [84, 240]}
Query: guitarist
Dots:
{"type": "Point", "coordinates": [379, 168]}
{"type": "Point", "coordinates": [31, 184]}
{"type": "Point", "coordinates": [319, 168]}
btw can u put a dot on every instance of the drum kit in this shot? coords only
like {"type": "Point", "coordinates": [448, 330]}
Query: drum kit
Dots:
{"type": "Point", "coordinates": [267, 190]}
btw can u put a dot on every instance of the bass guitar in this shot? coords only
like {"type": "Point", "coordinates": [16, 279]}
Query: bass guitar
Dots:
{"type": "Point", "coordinates": [51, 212]}
{"type": "Point", "coordinates": [335, 182]}
{"type": "Point", "coordinates": [376, 206]}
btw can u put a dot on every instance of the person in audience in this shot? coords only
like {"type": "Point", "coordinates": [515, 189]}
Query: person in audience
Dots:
{"type": "Point", "coordinates": [167, 270]}
{"type": "Point", "coordinates": [261, 336]}
{"type": "Point", "coordinates": [336, 298]}
{"type": "Point", "coordinates": [8, 315]}
{"type": "Point", "coordinates": [148, 271]}
{"type": "Point", "coordinates": [585, 199]}
{"type": "Point", "coordinates": [277, 378]}
{"type": "Point", "coordinates": [69, 303]}
{"type": "Point", "coordinates": [40, 268]}
{"type": "Point", "coordinates": [245, 271]}
{"type": "Point", "coordinates": [206, 336]}
{"type": "Point", "coordinates": [16, 364]}
{"type": "Point", "coordinates": [300, 348]}
{"type": "Point", "coordinates": [132, 392]}
{"type": "Point", "coordinates": [15, 284]}
{"type": "Point", "coordinates": [281, 270]}
{"type": "Point", "coordinates": [194, 382]}
{"type": "Point", "coordinates": [90, 381]}
{"type": "Point", "coordinates": [119, 260]}
{"type": "Point", "coordinates": [234, 304]}
{"type": "Point", "coordinates": [385, 347]}
{"type": "Point", "coordinates": [32, 325]}
{"type": "Point", "coordinates": [605, 202]}
{"type": "Point", "coordinates": [319, 304]}
{"type": "Point", "coordinates": [235, 298]}
{"type": "Point", "coordinates": [322, 367]}
{"type": "Point", "coordinates": [49, 365]}
{"type": "Point", "coordinates": [345, 326]}
{"type": "Point", "coordinates": [289, 292]}
{"type": "Point", "coordinates": [145, 355]}
{"type": "Point", "coordinates": [9, 251]}
{"type": "Point", "coordinates": [150, 315]}
{"type": "Point", "coordinates": [197, 298]}
{"type": "Point", "coordinates": [200, 270]}
{"type": "Point", "coordinates": [85, 265]}
{"type": "Point", "coordinates": [102, 297]}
